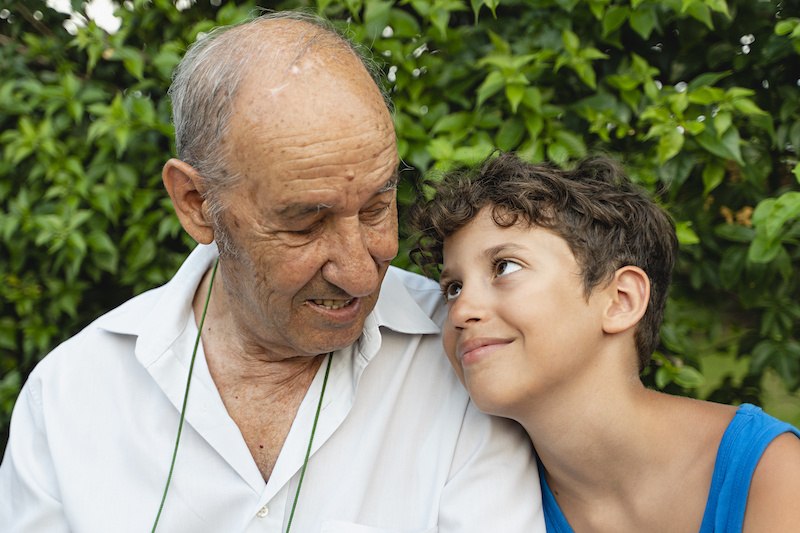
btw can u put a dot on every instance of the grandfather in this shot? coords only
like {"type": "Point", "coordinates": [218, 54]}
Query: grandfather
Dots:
{"type": "Point", "coordinates": [287, 163]}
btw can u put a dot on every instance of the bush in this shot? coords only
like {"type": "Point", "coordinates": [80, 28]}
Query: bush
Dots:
{"type": "Point", "coordinates": [699, 97]}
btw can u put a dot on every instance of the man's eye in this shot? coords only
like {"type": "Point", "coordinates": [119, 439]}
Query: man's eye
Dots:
{"type": "Point", "coordinates": [308, 230]}
{"type": "Point", "coordinates": [504, 267]}
{"type": "Point", "coordinates": [375, 212]}
{"type": "Point", "coordinates": [451, 291]}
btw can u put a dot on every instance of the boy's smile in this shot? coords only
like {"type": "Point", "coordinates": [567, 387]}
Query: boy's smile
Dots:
{"type": "Point", "coordinates": [519, 322]}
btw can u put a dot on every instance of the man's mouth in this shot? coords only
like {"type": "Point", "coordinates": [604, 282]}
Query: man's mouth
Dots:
{"type": "Point", "coordinates": [333, 304]}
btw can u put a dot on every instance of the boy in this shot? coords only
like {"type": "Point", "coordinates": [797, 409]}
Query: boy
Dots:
{"type": "Point", "coordinates": [556, 282]}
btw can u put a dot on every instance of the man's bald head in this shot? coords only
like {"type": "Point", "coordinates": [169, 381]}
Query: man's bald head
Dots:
{"type": "Point", "coordinates": [209, 79]}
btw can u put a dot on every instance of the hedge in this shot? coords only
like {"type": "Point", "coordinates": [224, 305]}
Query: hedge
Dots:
{"type": "Point", "coordinates": [700, 99]}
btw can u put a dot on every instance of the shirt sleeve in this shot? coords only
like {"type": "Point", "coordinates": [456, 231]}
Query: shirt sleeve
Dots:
{"type": "Point", "coordinates": [494, 482]}
{"type": "Point", "coordinates": [29, 493]}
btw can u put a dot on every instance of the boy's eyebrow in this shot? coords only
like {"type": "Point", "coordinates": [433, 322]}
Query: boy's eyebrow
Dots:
{"type": "Point", "coordinates": [490, 253]}
{"type": "Point", "coordinates": [299, 210]}
{"type": "Point", "coordinates": [444, 278]}
{"type": "Point", "coordinates": [502, 248]}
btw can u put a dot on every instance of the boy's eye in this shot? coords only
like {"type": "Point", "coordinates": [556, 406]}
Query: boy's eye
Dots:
{"type": "Point", "coordinates": [504, 267]}
{"type": "Point", "coordinates": [452, 291]}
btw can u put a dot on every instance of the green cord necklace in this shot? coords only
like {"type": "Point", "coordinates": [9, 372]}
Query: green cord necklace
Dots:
{"type": "Point", "coordinates": [186, 398]}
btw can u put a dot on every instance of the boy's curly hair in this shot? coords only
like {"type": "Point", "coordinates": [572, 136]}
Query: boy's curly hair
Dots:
{"type": "Point", "coordinates": [607, 221]}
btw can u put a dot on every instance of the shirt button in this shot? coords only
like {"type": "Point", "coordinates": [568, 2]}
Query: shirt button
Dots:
{"type": "Point", "coordinates": [264, 511]}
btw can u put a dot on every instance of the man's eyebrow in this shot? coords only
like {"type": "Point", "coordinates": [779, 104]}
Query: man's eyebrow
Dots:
{"type": "Point", "coordinates": [390, 184]}
{"type": "Point", "coordinates": [297, 210]}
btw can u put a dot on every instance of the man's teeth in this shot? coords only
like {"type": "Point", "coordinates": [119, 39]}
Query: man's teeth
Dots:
{"type": "Point", "coordinates": [333, 304]}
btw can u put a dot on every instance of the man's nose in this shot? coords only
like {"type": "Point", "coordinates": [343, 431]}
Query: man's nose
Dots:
{"type": "Point", "coordinates": [355, 257]}
{"type": "Point", "coordinates": [469, 307]}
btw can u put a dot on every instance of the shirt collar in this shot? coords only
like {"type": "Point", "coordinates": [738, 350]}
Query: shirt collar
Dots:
{"type": "Point", "coordinates": [398, 310]}
{"type": "Point", "coordinates": [159, 316]}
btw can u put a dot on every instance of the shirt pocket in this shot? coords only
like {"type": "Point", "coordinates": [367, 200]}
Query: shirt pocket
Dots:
{"type": "Point", "coordinates": [336, 526]}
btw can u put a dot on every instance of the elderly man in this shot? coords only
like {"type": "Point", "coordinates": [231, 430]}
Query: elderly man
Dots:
{"type": "Point", "coordinates": [305, 341]}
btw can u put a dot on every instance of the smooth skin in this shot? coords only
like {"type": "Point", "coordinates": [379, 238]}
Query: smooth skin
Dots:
{"type": "Point", "coordinates": [314, 220]}
{"type": "Point", "coordinates": [528, 344]}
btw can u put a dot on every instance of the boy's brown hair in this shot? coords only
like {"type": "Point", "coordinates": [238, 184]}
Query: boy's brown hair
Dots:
{"type": "Point", "coordinates": [607, 221]}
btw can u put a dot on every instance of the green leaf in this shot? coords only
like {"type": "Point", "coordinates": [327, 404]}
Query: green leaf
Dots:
{"type": "Point", "coordinates": [748, 107]}
{"type": "Point", "coordinates": [739, 92]}
{"type": "Point", "coordinates": [670, 144]}
{"type": "Point", "coordinates": [705, 95]}
{"type": "Point", "coordinates": [500, 44]}
{"type": "Point", "coordinates": [786, 207]}
{"type": "Point", "coordinates": [586, 73]}
{"type": "Point", "coordinates": [557, 153]}
{"type": "Point", "coordinates": [534, 124]}
{"type": "Point", "coordinates": [493, 83]}
{"type": "Point", "coordinates": [515, 92]}
{"type": "Point", "coordinates": [707, 79]}
{"type": "Point", "coordinates": [510, 134]}
{"type": "Point", "coordinates": [728, 147]}
{"type": "Point", "coordinates": [722, 122]}
{"type": "Point", "coordinates": [735, 232]}
{"type": "Point", "coordinates": [689, 377]}
{"type": "Point", "coordinates": [732, 265]}
{"type": "Point", "coordinates": [476, 8]}
{"type": "Point", "coordinates": [702, 13]}
{"type": "Point", "coordinates": [141, 256]}
{"type": "Point", "coordinates": [441, 149]}
{"type": "Point", "coordinates": [452, 122]}
{"type": "Point", "coordinates": [533, 99]}
{"type": "Point", "coordinates": [472, 155]}
{"type": "Point", "coordinates": [763, 249]}
{"type": "Point", "coordinates": [571, 41]}
{"type": "Point", "coordinates": [686, 234]}
{"type": "Point", "coordinates": [794, 136]}
{"type": "Point", "coordinates": [761, 355]}
{"type": "Point", "coordinates": [762, 211]}
{"type": "Point", "coordinates": [713, 173]}
{"type": "Point", "coordinates": [785, 26]}
{"type": "Point", "coordinates": [615, 17]}
{"type": "Point", "coordinates": [440, 18]}
{"type": "Point", "coordinates": [788, 368]}
{"type": "Point", "coordinates": [573, 142]}
{"type": "Point", "coordinates": [643, 21]}
{"type": "Point", "coordinates": [663, 377]}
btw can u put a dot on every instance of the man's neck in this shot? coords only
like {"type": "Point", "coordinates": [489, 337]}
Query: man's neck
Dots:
{"type": "Point", "coordinates": [261, 393]}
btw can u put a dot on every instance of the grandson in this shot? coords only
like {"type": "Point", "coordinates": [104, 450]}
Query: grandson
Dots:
{"type": "Point", "coordinates": [555, 284]}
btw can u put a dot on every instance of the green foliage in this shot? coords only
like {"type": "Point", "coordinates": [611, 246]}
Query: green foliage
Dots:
{"type": "Point", "coordinates": [699, 97]}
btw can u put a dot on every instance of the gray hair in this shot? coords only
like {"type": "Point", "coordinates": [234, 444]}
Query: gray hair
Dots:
{"type": "Point", "coordinates": [206, 82]}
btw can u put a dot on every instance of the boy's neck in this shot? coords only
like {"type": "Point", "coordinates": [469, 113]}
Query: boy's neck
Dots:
{"type": "Point", "coordinates": [611, 454]}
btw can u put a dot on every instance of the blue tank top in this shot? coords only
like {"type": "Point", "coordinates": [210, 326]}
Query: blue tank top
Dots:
{"type": "Point", "coordinates": [742, 445]}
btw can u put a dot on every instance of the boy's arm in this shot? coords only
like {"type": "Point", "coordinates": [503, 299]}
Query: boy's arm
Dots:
{"type": "Point", "coordinates": [772, 503]}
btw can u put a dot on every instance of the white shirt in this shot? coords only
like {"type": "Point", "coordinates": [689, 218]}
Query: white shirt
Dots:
{"type": "Point", "coordinates": [398, 447]}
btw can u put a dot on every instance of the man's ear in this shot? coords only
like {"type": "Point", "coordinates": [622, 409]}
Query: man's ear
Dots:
{"type": "Point", "coordinates": [185, 188]}
{"type": "Point", "coordinates": [629, 293]}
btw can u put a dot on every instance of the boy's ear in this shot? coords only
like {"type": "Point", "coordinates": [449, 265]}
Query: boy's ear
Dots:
{"type": "Point", "coordinates": [185, 187]}
{"type": "Point", "coordinates": [629, 293]}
